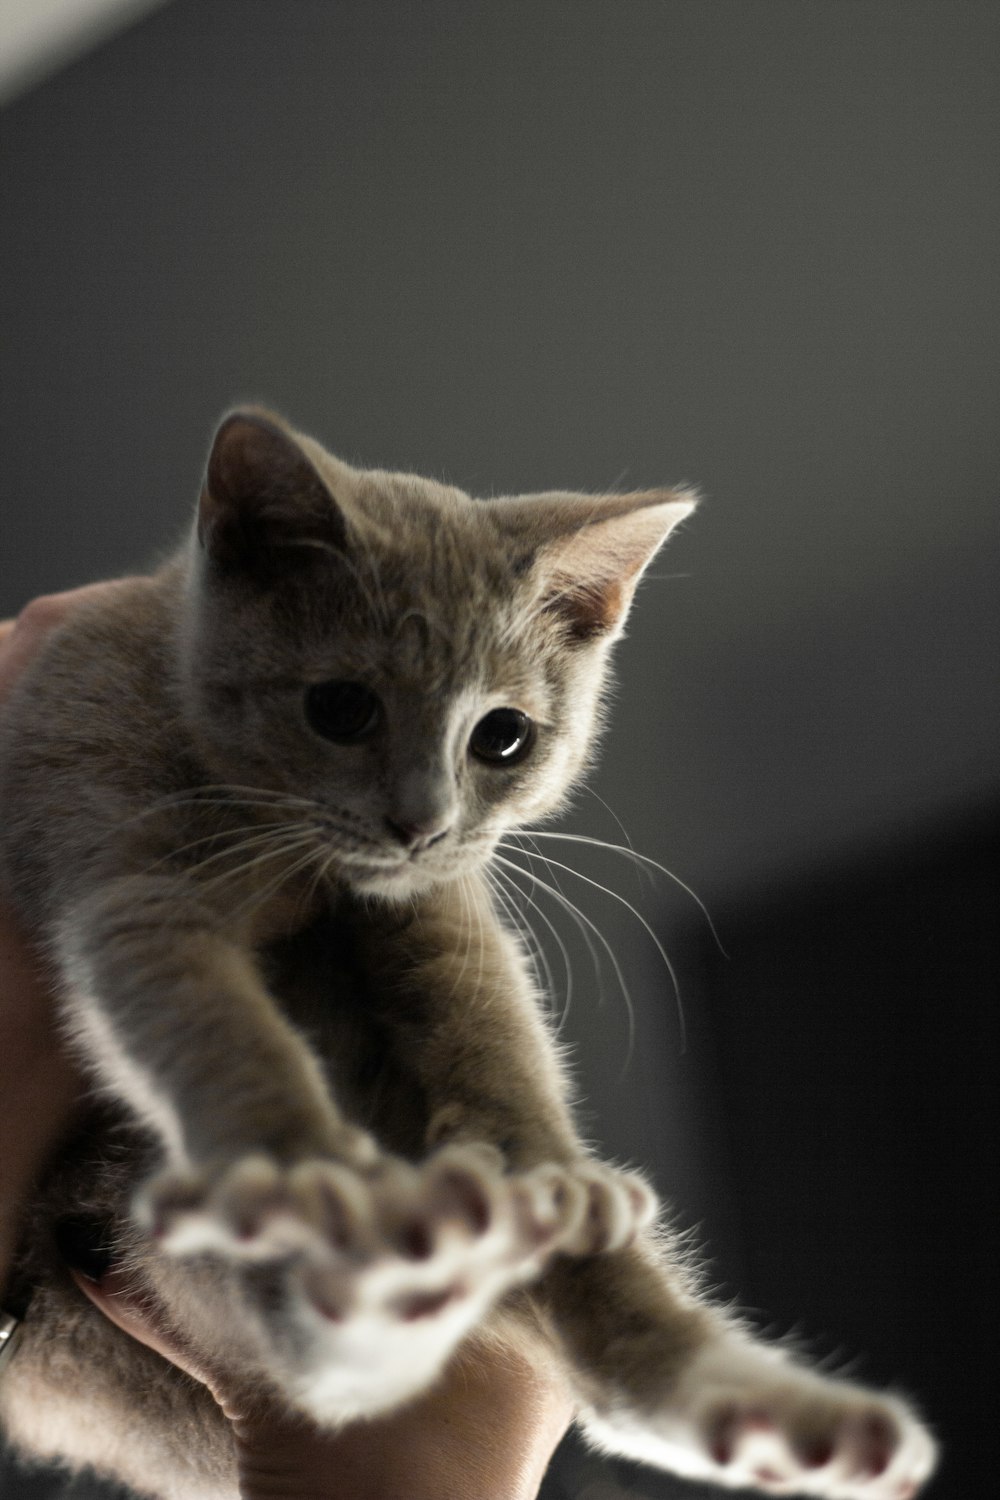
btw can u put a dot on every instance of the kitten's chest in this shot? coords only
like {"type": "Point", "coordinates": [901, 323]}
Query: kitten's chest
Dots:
{"type": "Point", "coordinates": [321, 984]}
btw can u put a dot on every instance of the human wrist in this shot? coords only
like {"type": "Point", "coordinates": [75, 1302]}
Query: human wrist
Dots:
{"type": "Point", "coordinates": [487, 1432]}
{"type": "Point", "coordinates": [261, 1476]}
{"type": "Point", "coordinates": [357, 1466]}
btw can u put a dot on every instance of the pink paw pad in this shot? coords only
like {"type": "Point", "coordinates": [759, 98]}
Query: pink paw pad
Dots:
{"type": "Point", "coordinates": [879, 1439]}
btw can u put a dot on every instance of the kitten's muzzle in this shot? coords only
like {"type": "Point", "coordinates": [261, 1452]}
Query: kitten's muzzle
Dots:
{"type": "Point", "coordinates": [416, 837]}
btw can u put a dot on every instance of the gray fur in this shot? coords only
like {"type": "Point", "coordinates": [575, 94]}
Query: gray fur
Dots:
{"type": "Point", "coordinates": [251, 965]}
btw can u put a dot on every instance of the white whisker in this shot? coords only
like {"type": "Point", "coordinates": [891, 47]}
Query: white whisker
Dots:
{"type": "Point", "coordinates": [518, 925]}
{"type": "Point", "coordinates": [564, 951]}
{"type": "Point", "coordinates": [322, 870]}
{"type": "Point", "coordinates": [257, 898]}
{"type": "Point", "coordinates": [463, 891]}
{"type": "Point", "coordinates": [226, 798]}
{"type": "Point", "coordinates": [641, 859]}
{"type": "Point", "coordinates": [250, 866]}
{"type": "Point", "coordinates": [581, 919]}
{"type": "Point", "coordinates": [248, 835]}
{"type": "Point", "coordinates": [536, 853]}
{"type": "Point", "coordinates": [522, 926]}
{"type": "Point", "coordinates": [588, 880]}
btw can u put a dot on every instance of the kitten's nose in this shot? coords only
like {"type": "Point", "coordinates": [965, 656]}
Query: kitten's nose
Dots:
{"type": "Point", "coordinates": [416, 836]}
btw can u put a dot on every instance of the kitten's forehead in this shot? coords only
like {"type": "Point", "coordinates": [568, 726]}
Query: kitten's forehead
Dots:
{"type": "Point", "coordinates": [385, 498]}
{"type": "Point", "coordinates": [437, 580]}
{"type": "Point", "coordinates": [441, 634]}
{"type": "Point", "coordinates": [424, 604]}
{"type": "Point", "coordinates": [419, 521]}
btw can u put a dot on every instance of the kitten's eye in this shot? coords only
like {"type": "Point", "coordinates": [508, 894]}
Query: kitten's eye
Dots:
{"type": "Point", "coordinates": [343, 711]}
{"type": "Point", "coordinates": [503, 737]}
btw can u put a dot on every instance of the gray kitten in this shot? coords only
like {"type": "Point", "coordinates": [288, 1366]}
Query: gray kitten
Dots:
{"type": "Point", "coordinates": [250, 804]}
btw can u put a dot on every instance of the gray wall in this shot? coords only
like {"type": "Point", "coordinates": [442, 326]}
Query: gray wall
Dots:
{"type": "Point", "coordinates": [746, 245]}
{"type": "Point", "coordinates": [537, 243]}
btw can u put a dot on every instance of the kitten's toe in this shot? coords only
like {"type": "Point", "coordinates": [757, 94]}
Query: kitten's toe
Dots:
{"type": "Point", "coordinates": [604, 1209]}
{"type": "Point", "coordinates": [462, 1192]}
{"type": "Point", "coordinates": [871, 1452]}
{"type": "Point", "coordinates": [884, 1451]}
{"type": "Point", "coordinates": [255, 1209]}
{"type": "Point", "coordinates": [743, 1415]}
{"type": "Point", "coordinates": [162, 1203]}
{"type": "Point", "coordinates": [765, 1422]}
{"type": "Point", "coordinates": [334, 1205]}
{"type": "Point", "coordinates": [191, 1212]}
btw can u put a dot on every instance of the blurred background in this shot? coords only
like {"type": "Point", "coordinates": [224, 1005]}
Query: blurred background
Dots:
{"type": "Point", "coordinates": [580, 243]}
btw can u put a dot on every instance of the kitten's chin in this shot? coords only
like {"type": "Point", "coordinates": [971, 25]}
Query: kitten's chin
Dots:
{"type": "Point", "coordinates": [396, 882]}
{"type": "Point", "coordinates": [400, 882]}
{"type": "Point", "coordinates": [388, 886]}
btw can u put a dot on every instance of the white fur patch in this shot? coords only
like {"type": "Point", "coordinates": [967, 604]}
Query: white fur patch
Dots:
{"type": "Point", "coordinates": [91, 1034]}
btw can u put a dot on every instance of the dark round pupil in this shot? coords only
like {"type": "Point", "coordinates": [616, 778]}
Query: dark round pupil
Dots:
{"type": "Point", "coordinates": [342, 711]}
{"type": "Point", "coordinates": [501, 735]}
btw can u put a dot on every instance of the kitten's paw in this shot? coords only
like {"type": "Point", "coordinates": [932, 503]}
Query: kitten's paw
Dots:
{"type": "Point", "coordinates": [600, 1207]}
{"type": "Point", "coordinates": [362, 1284]}
{"type": "Point", "coordinates": [246, 1209]}
{"type": "Point", "coordinates": [744, 1415]}
{"type": "Point", "coordinates": [453, 1229]}
{"type": "Point", "coordinates": [256, 1209]}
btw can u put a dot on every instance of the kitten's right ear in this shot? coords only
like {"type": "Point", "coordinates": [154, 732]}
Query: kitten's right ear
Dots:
{"type": "Point", "coordinates": [263, 496]}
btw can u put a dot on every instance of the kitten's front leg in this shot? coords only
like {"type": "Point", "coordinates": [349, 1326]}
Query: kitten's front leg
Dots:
{"type": "Point", "coordinates": [660, 1375]}
{"type": "Point", "coordinates": [344, 1275]}
{"type": "Point", "coordinates": [173, 1016]}
{"type": "Point", "coordinates": [345, 1293]}
{"type": "Point", "coordinates": [453, 994]}
{"type": "Point", "coordinates": [664, 1378]}
{"type": "Point", "coordinates": [455, 997]}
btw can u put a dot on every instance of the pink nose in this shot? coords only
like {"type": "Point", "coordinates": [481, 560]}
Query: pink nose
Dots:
{"type": "Point", "coordinates": [415, 836]}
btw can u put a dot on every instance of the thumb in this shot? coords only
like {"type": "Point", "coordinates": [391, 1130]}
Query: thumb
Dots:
{"type": "Point", "coordinates": [137, 1313]}
{"type": "Point", "coordinates": [135, 1310]}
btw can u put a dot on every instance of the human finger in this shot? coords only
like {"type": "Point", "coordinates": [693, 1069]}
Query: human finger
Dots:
{"type": "Point", "coordinates": [21, 638]}
{"type": "Point", "coordinates": [136, 1313]}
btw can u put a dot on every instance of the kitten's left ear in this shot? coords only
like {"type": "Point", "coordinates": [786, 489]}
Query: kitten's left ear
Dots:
{"type": "Point", "coordinates": [590, 552]}
{"type": "Point", "coordinates": [262, 495]}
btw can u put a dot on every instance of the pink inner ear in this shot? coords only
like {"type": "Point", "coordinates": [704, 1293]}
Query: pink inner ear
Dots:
{"type": "Point", "coordinates": [254, 461]}
{"type": "Point", "coordinates": [589, 575]}
{"type": "Point", "coordinates": [247, 449]}
{"type": "Point", "coordinates": [588, 608]}
{"type": "Point", "coordinates": [262, 493]}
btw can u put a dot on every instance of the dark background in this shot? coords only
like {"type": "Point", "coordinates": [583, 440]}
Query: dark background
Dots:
{"type": "Point", "coordinates": [745, 243]}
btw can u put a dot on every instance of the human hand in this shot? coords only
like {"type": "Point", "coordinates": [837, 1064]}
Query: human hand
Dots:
{"type": "Point", "coordinates": [486, 1432]}
{"type": "Point", "coordinates": [39, 1083]}
{"type": "Point", "coordinates": [38, 1080]}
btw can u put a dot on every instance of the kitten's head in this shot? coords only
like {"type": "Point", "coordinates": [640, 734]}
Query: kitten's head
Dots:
{"type": "Point", "coordinates": [424, 670]}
